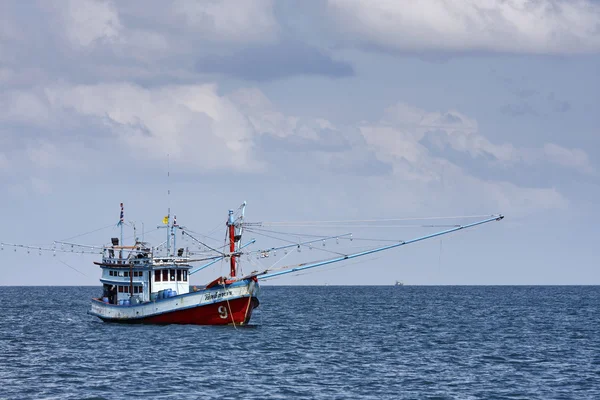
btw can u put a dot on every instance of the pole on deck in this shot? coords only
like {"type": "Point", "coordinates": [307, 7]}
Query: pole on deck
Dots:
{"type": "Point", "coordinates": [231, 226]}
{"type": "Point", "coordinates": [121, 222]}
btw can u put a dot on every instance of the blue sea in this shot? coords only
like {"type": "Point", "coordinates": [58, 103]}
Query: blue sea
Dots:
{"type": "Point", "coordinates": [326, 342]}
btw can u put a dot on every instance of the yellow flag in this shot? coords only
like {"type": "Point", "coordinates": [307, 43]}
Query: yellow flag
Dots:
{"type": "Point", "coordinates": [166, 220]}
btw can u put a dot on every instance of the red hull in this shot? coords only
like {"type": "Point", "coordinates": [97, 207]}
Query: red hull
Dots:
{"type": "Point", "coordinates": [238, 312]}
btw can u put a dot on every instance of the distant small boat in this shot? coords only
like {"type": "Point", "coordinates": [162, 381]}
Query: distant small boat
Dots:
{"type": "Point", "coordinates": [398, 283]}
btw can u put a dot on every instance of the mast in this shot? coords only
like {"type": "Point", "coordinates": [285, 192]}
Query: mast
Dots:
{"type": "Point", "coordinates": [135, 238]}
{"type": "Point", "coordinates": [121, 221]}
{"type": "Point", "coordinates": [169, 231]}
{"type": "Point", "coordinates": [173, 227]}
{"type": "Point", "coordinates": [231, 226]}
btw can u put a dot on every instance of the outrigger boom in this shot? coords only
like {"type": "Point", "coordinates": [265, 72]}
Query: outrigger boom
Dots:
{"type": "Point", "coordinates": [266, 275]}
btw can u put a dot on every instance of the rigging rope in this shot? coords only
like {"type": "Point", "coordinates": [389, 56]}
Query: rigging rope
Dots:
{"type": "Point", "coordinates": [280, 260]}
{"type": "Point", "coordinates": [299, 244]}
{"type": "Point", "coordinates": [204, 244]}
{"type": "Point", "coordinates": [87, 233]}
{"type": "Point", "coordinates": [73, 268]}
{"type": "Point", "coordinates": [207, 235]}
{"type": "Point", "coordinates": [290, 223]}
{"type": "Point", "coordinates": [330, 268]}
{"type": "Point", "coordinates": [143, 234]}
{"type": "Point", "coordinates": [288, 233]}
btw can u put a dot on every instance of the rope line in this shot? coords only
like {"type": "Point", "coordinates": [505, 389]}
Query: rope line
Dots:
{"type": "Point", "coordinates": [274, 223]}
{"type": "Point", "coordinates": [87, 233]}
{"type": "Point", "coordinates": [73, 268]}
{"type": "Point", "coordinates": [299, 244]}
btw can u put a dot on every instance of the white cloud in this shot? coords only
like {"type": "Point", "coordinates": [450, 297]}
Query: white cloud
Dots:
{"type": "Point", "coordinates": [24, 106]}
{"type": "Point", "coordinates": [402, 136]}
{"type": "Point", "coordinates": [137, 39]}
{"type": "Point", "coordinates": [571, 158]}
{"type": "Point", "coordinates": [88, 21]}
{"type": "Point", "coordinates": [419, 178]}
{"type": "Point", "coordinates": [266, 119]}
{"type": "Point", "coordinates": [193, 123]}
{"type": "Point", "coordinates": [230, 20]}
{"type": "Point", "coordinates": [522, 200]}
{"type": "Point", "coordinates": [46, 155]}
{"type": "Point", "coordinates": [72, 128]}
{"type": "Point", "coordinates": [403, 128]}
{"type": "Point", "coordinates": [513, 26]}
{"type": "Point", "coordinates": [204, 131]}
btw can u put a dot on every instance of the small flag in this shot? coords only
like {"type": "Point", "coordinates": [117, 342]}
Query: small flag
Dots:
{"type": "Point", "coordinates": [121, 219]}
{"type": "Point", "coordinates": [166, 220]}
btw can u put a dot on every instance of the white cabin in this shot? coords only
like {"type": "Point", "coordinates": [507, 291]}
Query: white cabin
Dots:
{"type": "Point", "coordinates": [131, 275]}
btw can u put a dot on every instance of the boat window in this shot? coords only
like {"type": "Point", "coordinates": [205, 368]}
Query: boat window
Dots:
{"type": "Point", "coordinates": [172, 274]}
{"type": "Point", "coordinates": [165, 273]}
{"type": "Point", "coordinates": [110, 273]}
{"type": "Point", "coordinates": [178, 275]}
{"type": "Point", "coordinates": [185, 276]}
{"type": "Point", "coordinates": [156, 276]}
{"type": "Point", "coordinates": [126, 274]}
{"type": "Point", "coordinates": [120, 289]}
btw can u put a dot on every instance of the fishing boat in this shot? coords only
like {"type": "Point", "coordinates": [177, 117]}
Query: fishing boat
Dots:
{"type": "Point", "coordinates": [145, 284]}
{"type": "Point", "coordinates": [142, 286]}
{"type": "Point", "coordinates": [399, 283]}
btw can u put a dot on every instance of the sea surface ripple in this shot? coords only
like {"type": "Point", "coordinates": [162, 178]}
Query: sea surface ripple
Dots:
{"type": "Point", "coordinates": [325, 342]}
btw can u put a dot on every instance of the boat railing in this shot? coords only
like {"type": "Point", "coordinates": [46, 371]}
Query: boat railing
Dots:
{"type": "Point", "coordinates": [125, 261]}
{"type": "Point", "coordinates": [161, 261]}
{"type": "Point", "coordinates": [126, 255]}
{"type": "Point", "coordinates": [170, 260]}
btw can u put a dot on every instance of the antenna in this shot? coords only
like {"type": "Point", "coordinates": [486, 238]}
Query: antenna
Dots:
{"type": "Point", "coordinates": [169, 182]}
{"type": "Point", "coordinates": [121, 222]}
{"type": "Point", "coordinates": [167, 220]}
{"type": "Point", "coordinates": [135, 238]}
{"type": "Point", "coordinates": [168, 204]}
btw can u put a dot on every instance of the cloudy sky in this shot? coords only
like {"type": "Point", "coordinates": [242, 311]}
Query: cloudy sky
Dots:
{"type": "Point", "coordinates": [329, 110]}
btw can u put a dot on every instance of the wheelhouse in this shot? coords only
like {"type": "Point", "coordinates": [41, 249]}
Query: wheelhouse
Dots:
{"type": "Point", "coordinates": [132, 275]}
